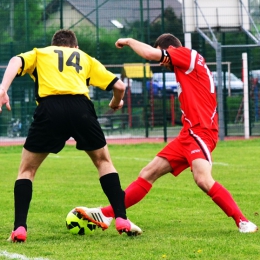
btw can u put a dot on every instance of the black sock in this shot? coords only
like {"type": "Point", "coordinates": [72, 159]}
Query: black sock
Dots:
{"type": "Point", "coordinates": [111, 186]}
{"type": "Point", "coordinates": [22, 199]}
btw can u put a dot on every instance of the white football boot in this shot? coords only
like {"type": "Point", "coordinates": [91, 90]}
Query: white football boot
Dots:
{"type": "Point", "coordinates": [96, 216]}
{"type": "Point", "coordinates": [247, 227]}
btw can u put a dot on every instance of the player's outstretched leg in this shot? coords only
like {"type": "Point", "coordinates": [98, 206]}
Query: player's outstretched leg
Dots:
{"type": "Point", "coordinates": [96, 216]}
{"type": "Point", "coordinates": [221, 196]}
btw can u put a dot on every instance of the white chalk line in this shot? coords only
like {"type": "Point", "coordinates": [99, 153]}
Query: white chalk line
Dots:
{"type": "Point", "coordinates": [9, 255]}
{"type": "Point", "coordinates": [221, 163]}
{"type": "Point", "coordinates": [121, 158]}
{"type": "Point", "coordinates": [81, 157]}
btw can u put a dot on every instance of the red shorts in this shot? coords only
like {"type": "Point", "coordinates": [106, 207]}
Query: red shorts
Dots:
{"type": "Point", "coordinates": [191, 144]}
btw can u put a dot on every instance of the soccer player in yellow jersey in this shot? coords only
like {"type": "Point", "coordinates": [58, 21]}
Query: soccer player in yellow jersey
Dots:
{"type": "Point", "coordinates": [62, 74]}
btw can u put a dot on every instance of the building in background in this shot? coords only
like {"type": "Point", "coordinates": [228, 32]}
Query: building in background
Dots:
{"type": "Point", "coordinates": [111, 14]}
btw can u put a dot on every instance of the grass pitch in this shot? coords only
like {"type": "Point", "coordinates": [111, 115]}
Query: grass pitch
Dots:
{"type": "Point", "coordinates": [179, 220]}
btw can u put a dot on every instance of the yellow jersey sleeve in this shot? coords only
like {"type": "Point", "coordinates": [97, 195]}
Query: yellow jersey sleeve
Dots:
{"type": "Point", "coordinates": [99, 76]}
{"type": "Point", "coordinates": [30, 65]}
{"type": "Point", "coordinates": [63, 70]}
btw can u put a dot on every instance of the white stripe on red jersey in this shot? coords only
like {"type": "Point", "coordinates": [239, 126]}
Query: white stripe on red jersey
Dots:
{"type": "Point", "coordinates": [196, 90]}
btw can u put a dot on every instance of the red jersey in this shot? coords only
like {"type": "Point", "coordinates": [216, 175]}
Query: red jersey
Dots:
{"type": "Point", "coordinates": [196, 89]}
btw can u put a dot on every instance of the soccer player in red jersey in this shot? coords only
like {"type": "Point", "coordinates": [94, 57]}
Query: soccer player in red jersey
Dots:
{"type": "Point", "coordinates": [198, 137]}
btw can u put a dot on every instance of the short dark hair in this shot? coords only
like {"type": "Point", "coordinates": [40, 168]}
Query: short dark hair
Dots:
{"type": "Point", "coordinates": [165, 40]}
{"type": "Point", "coordinates": [64, 38]}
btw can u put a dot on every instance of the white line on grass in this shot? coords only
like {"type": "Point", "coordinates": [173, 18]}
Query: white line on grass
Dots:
{"type": "Point", "coordinates": [221, 163]}
{"type": "Point", "coordinates": [121, 158]}
{"type": "Point", "coordinates": [80, 157]}
{"type": "Point", "coordinates": [135, 158]}
{"type": "Point", "coordinates": [8, 255]}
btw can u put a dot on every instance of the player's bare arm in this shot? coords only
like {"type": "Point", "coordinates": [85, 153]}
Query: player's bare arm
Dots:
{"type": "Point", "coordinates": [118, 95]}
{"type": "Point", "coordinates": [142, 49]}
{"type": "Point", "coordinates": [11, 71]}
{"type": "Point", "coordinates": [13, 66]}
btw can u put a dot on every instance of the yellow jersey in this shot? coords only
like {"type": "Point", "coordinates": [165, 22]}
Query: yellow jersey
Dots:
{"type": "Point", "coordinates": [60, 70]}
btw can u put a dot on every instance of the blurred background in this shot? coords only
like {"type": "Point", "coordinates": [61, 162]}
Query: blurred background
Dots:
{"type": "Point", "coordinates": [151, 106]}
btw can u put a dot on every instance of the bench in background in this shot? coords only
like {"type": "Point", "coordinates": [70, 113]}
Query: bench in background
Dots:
{"type": "Point", "coordinates": [113, 122]}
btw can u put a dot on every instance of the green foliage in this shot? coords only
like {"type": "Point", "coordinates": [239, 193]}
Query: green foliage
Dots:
{"type": "Point", "coordinates": [178, 219]}
{"type": "Point", "coordinates": [5, 19]}
{"type": "Point", "coordinates": [172, 24]}
{"type": "Point", "coordinates": [29, 30]}
{"type": "Point", "coordinates": [27, 14]}
{"type": "Point", "coordinates": [105, 49]}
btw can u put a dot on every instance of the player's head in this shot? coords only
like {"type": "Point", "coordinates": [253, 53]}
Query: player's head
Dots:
{"type": "Point", "coordinates": [65, 38]}
{"type": "Point", "coordinates": [165, 40]}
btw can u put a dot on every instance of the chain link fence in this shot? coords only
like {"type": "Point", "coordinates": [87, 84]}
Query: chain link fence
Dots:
{"type": "Point", "coordinates": [151, 105]}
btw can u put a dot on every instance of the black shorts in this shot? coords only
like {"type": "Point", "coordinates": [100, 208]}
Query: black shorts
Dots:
{"type": "Point", "coordinates": [57, 118]}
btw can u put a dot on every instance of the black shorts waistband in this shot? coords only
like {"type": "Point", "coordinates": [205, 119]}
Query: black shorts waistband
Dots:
{"type": "Point", "coordinates": [40, 99]}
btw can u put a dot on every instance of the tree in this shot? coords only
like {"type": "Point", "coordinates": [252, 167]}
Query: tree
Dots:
{"type": "Point", "coordinates": [148, 32]}
{"type": "Point", "coordinates": [172, 24]}
{"type": "Point", "coordinates": [5, 9]}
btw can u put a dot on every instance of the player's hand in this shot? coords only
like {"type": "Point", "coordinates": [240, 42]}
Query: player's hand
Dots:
{"type": "Point", "coordinates": [116, 106]}
{"type": "Point", "coordinates": [4, 99]}
{"type": "Point", "coordinates": [120, 43]}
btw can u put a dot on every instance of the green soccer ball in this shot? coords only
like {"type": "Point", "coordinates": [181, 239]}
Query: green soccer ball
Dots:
{"type": "Point", "coordinates": [77, 225]}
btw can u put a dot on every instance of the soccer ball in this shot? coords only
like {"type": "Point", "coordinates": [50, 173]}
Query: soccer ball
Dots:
{"type": "Point", "coordinates": [77, 225]}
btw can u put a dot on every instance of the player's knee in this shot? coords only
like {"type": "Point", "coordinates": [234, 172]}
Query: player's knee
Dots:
{"type": "Point", "coordinates": [204, 183]}
{"type": "Point", "coordinates": [149, 175]}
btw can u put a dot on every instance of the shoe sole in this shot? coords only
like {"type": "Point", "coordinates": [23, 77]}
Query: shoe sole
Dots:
{"type": "Point", "coordinates": [249, 231]}
{"type": "Point", "coordinates": [129, 233]}
{"type": "Point", "coordinates": [122, 228]}
{"type": "Point", "coordinates": [87, 217]}
{"type": "Point", "coordinates": [17, 239]}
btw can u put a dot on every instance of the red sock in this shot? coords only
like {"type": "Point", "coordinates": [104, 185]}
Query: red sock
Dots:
{"type": "Point", "coordinates": [135, 192]}
{"type": "Point", "coordinates": [224, 200]}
